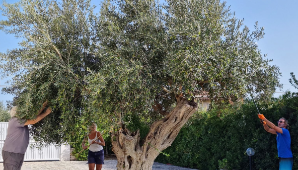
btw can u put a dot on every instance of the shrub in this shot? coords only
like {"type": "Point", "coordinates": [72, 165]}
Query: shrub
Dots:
{"type": "Point", "coordinates": [4, 113]}
{"type": "Point", "coordinates": [223, 135]}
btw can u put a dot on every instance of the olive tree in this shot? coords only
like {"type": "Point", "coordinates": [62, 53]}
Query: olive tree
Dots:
{"type": "Point", "coordinates": [293, 80]}
{"type": "Point", "coordinates": [134, 58]}
{"type": "Point", "coordinates": [56, 45]}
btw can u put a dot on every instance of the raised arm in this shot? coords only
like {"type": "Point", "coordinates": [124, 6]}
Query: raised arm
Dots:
{"type": "Point", "coordinates": [43, 107]}
{"type": "Point", "coordinates": [39, 117]}
{"type": "Point", "coordinates": [268, 129]}
{"type": "Point", "coordinates": [270, 124]}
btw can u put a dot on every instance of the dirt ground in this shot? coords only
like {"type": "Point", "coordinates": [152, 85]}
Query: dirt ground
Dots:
{"type": "Point", "coordinates": [109, 164]}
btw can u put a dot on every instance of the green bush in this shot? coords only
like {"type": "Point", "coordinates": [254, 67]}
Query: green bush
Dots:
{"type": "Point", "coordinates": [223, 135]}
{"type": "Point", "coordinates": [77, 148]}
{"type": "Point", "coordinates": [4, 113]}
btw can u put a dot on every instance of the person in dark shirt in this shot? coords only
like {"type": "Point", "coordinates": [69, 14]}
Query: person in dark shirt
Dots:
{"type": "Point", "coordinates": [283, 139]}
{"type": "Point", "coordinates": [17, 139]}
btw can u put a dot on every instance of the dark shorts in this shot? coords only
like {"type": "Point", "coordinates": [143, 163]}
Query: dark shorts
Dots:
{"type": "Point", "coordinates": [285, 163]}
{"type": "Point", "coordinates": [12, 161]}
{"type": "Point", "coordinates": [96, 157]}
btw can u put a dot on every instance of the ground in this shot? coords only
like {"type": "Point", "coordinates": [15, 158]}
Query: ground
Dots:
{"type": "Point", "coordinates": [110, 164]}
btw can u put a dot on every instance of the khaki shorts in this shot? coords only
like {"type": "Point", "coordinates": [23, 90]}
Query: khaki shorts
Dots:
{"type": "Point", "coordinates": [12, 161]}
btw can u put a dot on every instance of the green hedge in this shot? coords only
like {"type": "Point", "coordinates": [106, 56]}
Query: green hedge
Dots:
{"type": "Point", "coordinates": [4, 113]}
{"type": "Point", "coordinates": [222, 137]}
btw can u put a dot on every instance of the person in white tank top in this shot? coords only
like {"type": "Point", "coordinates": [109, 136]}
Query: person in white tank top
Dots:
{"type": "Point", "coordinates": [94, 144]}
{"type": "Point", "coordinates": [96, 152]}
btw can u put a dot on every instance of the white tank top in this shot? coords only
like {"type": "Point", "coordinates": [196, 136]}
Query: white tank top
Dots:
{"type": "Point", "coordinates": [95, 147]}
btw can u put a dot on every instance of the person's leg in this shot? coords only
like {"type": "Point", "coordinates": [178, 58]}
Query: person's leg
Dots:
{"type": "Point", "coordinates": [20, 157]}
{"type": "Point", "coordinates": [4, 157]}
{"type": "Point", "coordinates": [98, 166]}
{"type": "Point", "coordinates": [285, 163]}
{"type": "Point", "coordinates": [91, 160]}
{"type": "Point", "coordinates": [99, 160]}
{"type": "Point", "coordinates": [12, 161]}
{"type": "Point", "coordinates": [91, 166]}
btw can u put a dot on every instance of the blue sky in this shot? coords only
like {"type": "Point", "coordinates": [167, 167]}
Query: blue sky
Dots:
{"type": "Point", "coordinates": [280, 21]}
{"type": "Point", "coordinates": [279, 18]}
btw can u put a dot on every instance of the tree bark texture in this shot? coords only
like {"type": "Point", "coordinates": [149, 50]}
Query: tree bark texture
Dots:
{"type": "Point", "coordinates": [126, 145]}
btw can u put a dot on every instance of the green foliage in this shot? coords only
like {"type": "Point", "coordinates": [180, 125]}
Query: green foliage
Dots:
{"type": "Point", "coordinates": [51, 64]}
{"type": "Point", "coordinates": [4, 113]}
{"type": "Point", "coordinates": [129, 57]}
{"type": "Point", "coordinates": [293, 80]}
{"type": "Point", "coordinates": [222, 136]}
{"type": "Point", "coordinates": [135, 123]}
{"type": "Point", "coordinates": [79, 155]}
{"type": "Point", "coordinates": [222, 164]}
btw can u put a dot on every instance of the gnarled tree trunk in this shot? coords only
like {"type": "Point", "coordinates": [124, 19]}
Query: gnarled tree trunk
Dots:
{"type": "Point", "coordinates": [126, 145]}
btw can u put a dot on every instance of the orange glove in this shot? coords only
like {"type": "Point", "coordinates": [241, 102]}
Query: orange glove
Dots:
{"type": "Point", "coordinates": [261, 116]}
{"type": "Point", "coordinates": [263, 122]}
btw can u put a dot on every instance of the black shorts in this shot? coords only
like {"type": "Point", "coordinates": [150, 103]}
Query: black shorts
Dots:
{"type": "Point", "coordinates": [96, 157]}
{"type": "Point", "coordinates": [12, 161]}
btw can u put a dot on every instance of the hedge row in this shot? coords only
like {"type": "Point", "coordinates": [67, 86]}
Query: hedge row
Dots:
{"type": "Point", "coordinates": [220, 137]}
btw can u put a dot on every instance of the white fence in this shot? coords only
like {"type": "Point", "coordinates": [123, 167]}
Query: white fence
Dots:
{"type": "Point", "coordinates": [49, 152]}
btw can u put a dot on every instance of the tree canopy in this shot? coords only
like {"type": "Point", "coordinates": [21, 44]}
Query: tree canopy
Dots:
{"type": "Point", "coordinates": [293, 80]}
{"type": "Point", "coordinates": [132, 58]}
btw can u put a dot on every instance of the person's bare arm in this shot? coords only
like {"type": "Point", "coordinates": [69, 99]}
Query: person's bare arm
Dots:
{"type": "Point", "coordinates": [272, 126]}
{"type": "Point", "coordinates": [268, 129]}
{"type": "Point", "coordinates": [102, 142]}
{"type": "Point", "coordinates": [43, 107]}
{"type": "Point", "coordinates": [39, 117]}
